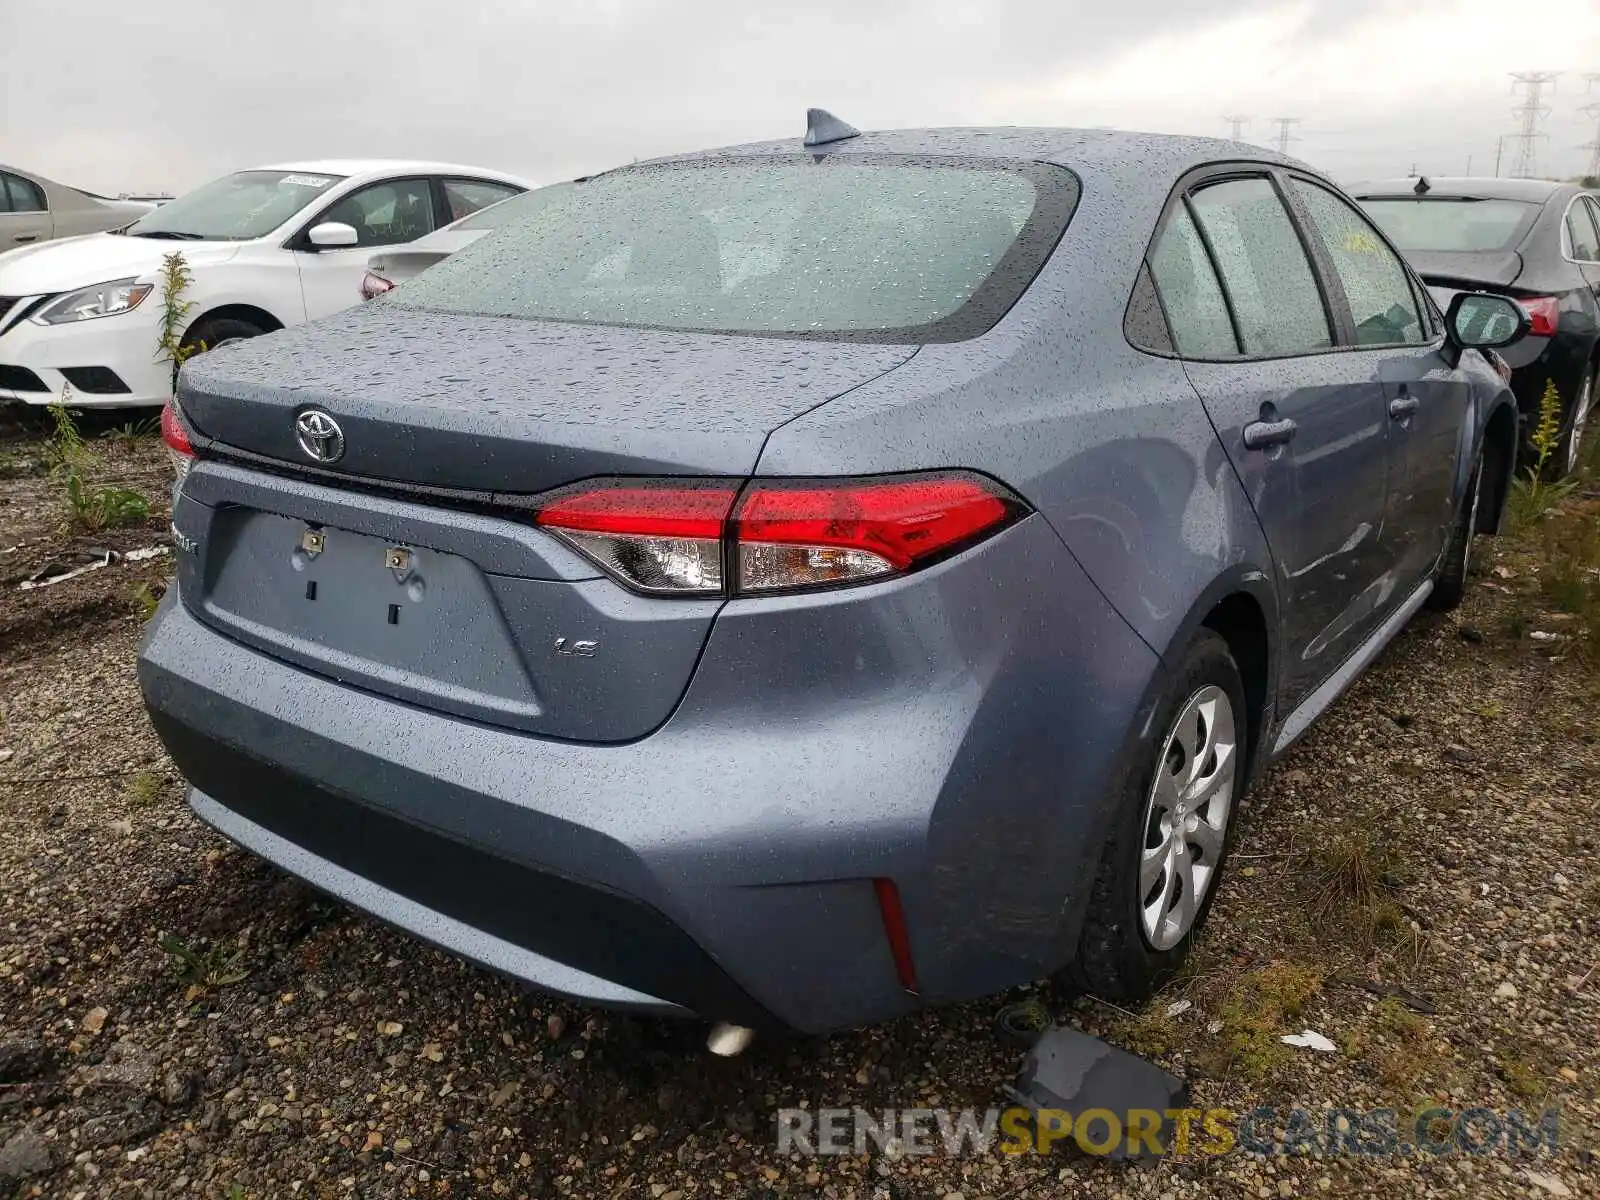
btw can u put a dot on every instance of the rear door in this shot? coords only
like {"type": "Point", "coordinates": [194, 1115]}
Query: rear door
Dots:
{"type": "Point", "coordinates": [24, 213]}
{"type": "Point", "coordinates": [1426, 399]}
{"type": "Point", "coordinates": [1302, 424]}
{"type": "Point", "coordinates": [1583, 229]}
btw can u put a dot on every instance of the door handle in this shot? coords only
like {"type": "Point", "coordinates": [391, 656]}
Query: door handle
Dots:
{"type": "Point", "coordinates": [1402, 407]}
{"type": "Point", "coordinates": [26, 237]}
{"type": "Point", "coordinates": [1258, 435]}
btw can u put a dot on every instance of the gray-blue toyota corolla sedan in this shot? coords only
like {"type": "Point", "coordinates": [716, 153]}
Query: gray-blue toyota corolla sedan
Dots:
{"type": "Point", "coordinates": [800, 583]}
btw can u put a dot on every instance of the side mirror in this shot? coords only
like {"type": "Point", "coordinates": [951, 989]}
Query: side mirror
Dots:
{"type": "Point", "coordinates": [1479, 321]}
{"type": "Point", "coordinates": [333, 234]}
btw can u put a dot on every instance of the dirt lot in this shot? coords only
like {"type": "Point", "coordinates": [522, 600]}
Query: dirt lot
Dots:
{"type": "Point", "coordinates": [1417, 882]}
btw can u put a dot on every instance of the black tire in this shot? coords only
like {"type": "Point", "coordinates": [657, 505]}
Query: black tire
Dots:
{"type": "Point", "coordinates": [210, 332]}
{"type": "Point", "coordinates": [1578, 424]}
{"type": "Point", "coordinates": [1115, 958]}
{"type": "Point", "coordinates": [1450, 584]}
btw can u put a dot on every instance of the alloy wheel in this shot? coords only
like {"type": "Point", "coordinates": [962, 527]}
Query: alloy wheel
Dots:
{"type": "Point", "coordinates": [1186, 816]}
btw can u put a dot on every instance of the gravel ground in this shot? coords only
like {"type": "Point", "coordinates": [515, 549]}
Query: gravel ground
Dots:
{"type": "Point", "coordinates": [1431, 841]}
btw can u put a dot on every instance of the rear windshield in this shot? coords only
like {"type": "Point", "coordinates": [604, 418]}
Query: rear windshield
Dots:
{"type": "Point", "coordinates": [1453, 224]}
{"type": "Point", "coordinates": [852, 247]}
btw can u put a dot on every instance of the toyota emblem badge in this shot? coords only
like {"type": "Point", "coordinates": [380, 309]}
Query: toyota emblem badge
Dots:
{"type": "Point", "coordinates": [319, 435]}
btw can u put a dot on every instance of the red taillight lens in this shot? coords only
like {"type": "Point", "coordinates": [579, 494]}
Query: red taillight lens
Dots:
{"type": "Point", "coordinates": [1545, 313]}
{"type": "Point", "coordinates": [374, 285]}
{"type": "Point", "coordinates": [673, 536]}
{"type": "Point", "coordinates": [656, 536]}
{"type": "Point", "coordinates": [179, 448]}
{"type": "Point", "coordinates": [807, 534]}
{"type": "Point", "coordinates": [172, 431]}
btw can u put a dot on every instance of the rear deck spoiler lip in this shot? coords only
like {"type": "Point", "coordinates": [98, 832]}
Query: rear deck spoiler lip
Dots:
{"type": "Point", "coordinates": [1499, 269]}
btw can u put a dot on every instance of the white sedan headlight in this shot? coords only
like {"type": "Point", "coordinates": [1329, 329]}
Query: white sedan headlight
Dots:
{"type": "Point", "coordinates": [100, 300]}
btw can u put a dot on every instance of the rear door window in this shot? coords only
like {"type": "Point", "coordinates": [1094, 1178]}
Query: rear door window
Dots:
{"type": "Point", "coordinates": [466, 196]}
{"type": "Point", "coordinates": [1382, 303]}
{"type": "Point", "coordinates": [1583, 239]}
{"type": "Point", "coordinates": [22, 195]}
{"type": "Point", "coordinates": [1196, 312]}
{"type": "Point", "coordinates": [1277, 304]}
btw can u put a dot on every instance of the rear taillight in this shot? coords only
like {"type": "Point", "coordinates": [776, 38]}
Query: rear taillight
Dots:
{"type": "Point", "coordinates": [661, 536]}
{"type": "Point", "coordinates": [1545, 314]}
{"type": "Point", "coordinates": [680, 538]}
{"type": "Point", "coordinates": [374, 285]}
{"type": "Point", "coordinates": [179, 449]}
{"type": "Point", "coordinates": [808, 533]}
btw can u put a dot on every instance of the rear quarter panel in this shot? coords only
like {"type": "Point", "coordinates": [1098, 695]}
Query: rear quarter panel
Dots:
{"type": "Point", "coordinates": [1114, 450]}
{"type": "Point", "coordinates": [1110, 444]}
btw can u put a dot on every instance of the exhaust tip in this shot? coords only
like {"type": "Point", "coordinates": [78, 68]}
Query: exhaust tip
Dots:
{"type": "Point", "coordinates": [729, 1041]}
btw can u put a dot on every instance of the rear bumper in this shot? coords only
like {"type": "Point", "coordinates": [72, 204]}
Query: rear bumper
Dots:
{"type": "Point", "coordinates": [382, 837]}
{"type": "Point", "coordinates": [722, 866]}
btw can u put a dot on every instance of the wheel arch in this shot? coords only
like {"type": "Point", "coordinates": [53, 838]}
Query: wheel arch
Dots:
{"type": "Point", "coordinates": [1240, 607]}
{"type": "Point", "coordinates": [1498, 445]}
{"type": "Point", "coordinates": [252, 313]}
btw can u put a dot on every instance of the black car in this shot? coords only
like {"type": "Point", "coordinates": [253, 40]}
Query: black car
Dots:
{"type": "Point", "coordinates": [1531, 239]}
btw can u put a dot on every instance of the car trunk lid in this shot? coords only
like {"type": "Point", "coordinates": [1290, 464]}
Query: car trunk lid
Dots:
{"type": "Point", "coordinates": [1465, 270]}
{"type": "Point", "coordinates": [499, 404]}
{"type": "Point", "coordinates": [404, 568]}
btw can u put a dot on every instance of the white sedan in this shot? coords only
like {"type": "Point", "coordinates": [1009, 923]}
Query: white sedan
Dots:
{"type": "Point", "coordinates": [80, 320]}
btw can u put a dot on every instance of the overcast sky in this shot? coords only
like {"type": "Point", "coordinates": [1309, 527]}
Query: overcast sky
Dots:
{"type": "Point", "coordinates": [125, 95]}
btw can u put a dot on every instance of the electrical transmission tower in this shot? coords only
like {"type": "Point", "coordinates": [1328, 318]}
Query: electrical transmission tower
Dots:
{"type": "Point", "coordinates": [1238, 124]}
{"type": "Point", "coordinates": [1532, 110]}
{"type": "Point", "coordinates": [1592, 111]}
{"type": "Point", "coordinates": [1285, 136]}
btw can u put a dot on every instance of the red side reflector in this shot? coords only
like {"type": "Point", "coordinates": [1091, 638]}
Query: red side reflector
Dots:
{"type": "Point", "coordinates": [1545, 313]}
{"type": "Point", "coordinates": [173, 432]}
{"type": "Point", "coordinates": [902, 521]}
{"type": "Point", "coordinates": [894, 928]}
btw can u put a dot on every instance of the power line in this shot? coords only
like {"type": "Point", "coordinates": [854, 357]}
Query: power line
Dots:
{"type": "Point", "coordinates": [1285, 125]}
{"type": "Point", "coordinates": [1238, 123]}
{"type": "Point", "coordinates": [1529, 113]}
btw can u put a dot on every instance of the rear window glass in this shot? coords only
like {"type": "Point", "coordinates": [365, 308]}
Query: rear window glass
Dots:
{"type": "Point", "coordinates": [1444, 225]}
{"type": "Point", "coordinates": [508, 212]}
{"type": "Point", "coordinates": [851, 247]}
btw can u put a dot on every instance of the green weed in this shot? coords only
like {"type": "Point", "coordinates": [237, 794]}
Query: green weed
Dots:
{"type": "Point", "coordinates": [217, 967]}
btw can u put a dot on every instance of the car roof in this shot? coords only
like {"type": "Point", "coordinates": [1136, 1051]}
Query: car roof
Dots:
{"type": "Point", "coordinates": [380, 166]}
{"type": "Point", "coordinates": [1112, 150]}
{"type": "Point", "coordinates": [1534, 190]}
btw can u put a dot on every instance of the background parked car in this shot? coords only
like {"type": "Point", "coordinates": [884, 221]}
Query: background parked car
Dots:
{"type": "Point", "coordinates": [36, 209]}
{"type": "Point", "coordinates": [267, 248]}
{"type": "Point", "coordinates": [393, 267]}
{"type": "Point", "coordinates": [1531, 239]}
{"type": "Point", "coordinates": [809, 582]}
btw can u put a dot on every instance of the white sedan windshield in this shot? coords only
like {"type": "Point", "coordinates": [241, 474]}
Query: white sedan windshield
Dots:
{"type": "Point", "coordinates": [236, 207]}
